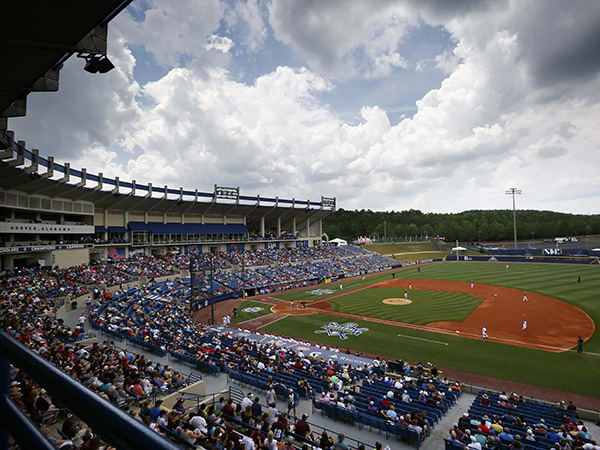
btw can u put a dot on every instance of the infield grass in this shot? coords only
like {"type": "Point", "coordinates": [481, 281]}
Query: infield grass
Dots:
{"type": "Point", "coordinates": [426, 306]}
{"type": "Point", "coordinates": [563, 371]}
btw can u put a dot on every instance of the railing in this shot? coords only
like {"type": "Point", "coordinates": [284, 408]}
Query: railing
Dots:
{"type": "Point", "coordinates": [113, 424]}
{"type": "Point", "coordinates": [315, 428]}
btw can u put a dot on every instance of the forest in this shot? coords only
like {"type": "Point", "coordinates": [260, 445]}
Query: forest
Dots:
{"type": "Point", "coordinates": [476, 225]}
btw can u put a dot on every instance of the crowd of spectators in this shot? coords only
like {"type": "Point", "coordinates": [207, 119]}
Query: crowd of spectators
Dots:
{"type": "Point", "coordinates": [508, 420]}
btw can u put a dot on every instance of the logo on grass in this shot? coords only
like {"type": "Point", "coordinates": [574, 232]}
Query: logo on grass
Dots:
{"type": "Point", "coordinates": [252, 309]}
{"type": "Point", "coordinates": [321, 292]}
{"type": "Point", "coordinates": [343, 330]}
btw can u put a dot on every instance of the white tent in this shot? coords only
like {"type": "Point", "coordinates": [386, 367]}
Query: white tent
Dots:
{"type": "Point", "coordinates": [338, 242]}
{"type": "Point", "coordinates": [459, 249]}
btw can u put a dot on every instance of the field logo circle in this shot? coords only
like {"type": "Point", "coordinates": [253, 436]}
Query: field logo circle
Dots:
{"type": "Point", "coordinates": [343, 330]}
{"type": "Point", "coordinates": [252, 309]}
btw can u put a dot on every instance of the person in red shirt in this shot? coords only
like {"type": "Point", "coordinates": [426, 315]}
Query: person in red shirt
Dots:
{"type": "Point", "coordinates": [228, 409]}
{"type": "Point", "coordinates": [385, 403]}
{"type": "Point", "coordinates": [137, 389]}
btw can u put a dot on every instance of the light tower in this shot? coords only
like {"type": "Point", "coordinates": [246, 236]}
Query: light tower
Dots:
{"type": "Point", "coordinates": [514, 191]}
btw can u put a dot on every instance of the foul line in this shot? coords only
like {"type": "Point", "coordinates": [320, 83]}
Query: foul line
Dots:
{"type": "Point", "coordinates": [422, 339]}
{"type": "Point", "coordinates": [273, 321]}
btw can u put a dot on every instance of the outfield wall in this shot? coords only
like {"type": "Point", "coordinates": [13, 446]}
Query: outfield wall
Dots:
{"type": "Point", "coordinates": [530, 259]}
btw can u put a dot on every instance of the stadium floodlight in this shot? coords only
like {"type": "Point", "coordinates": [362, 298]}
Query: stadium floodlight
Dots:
{"type": "Point", "coordinates": [514, 191]}
{"type": "Point", "coordinates": [96, 63]}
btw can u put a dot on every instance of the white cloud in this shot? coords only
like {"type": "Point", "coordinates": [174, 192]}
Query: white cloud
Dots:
{"type": "Point", "coordinates": [446, 61]}
{"type": "Point", "coordinates": [343, 39]}
{"type": "Point", "coordinates": [175, 30]}
{"type": "Point", "coordinates": [220, 43]}
{"type": "Point", "coordinates": [249, 14]}
{"type": "Point", "coordinates": [495, 121]}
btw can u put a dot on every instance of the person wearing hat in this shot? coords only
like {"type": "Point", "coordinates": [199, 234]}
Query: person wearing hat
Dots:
{"type": "Point", "coordinates": [292, 401]}
{"type": "Point", "coordinates": [474, 445]}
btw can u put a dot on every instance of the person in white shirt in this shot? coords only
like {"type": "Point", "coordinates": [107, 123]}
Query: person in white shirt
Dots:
{"type": "Point", "coordinates": [271, 396]}
{"type": "Point", "coordinates": [474, 444]}
{"type": "Point", "coordinates": [199, 422]}
{"type": "Point", "coordinates": [248, 443]}
{"type": "Point", "coordinates": [405, 397]}
{"type": "Point", "coordinates": [247, 401]}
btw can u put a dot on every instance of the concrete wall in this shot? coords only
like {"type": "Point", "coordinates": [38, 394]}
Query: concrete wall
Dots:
{"type": "Point", "coordinates": [70, 258]}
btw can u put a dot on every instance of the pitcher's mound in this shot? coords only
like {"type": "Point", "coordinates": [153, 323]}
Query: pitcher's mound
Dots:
{"type": "Point", "coordinates": [397, 301]}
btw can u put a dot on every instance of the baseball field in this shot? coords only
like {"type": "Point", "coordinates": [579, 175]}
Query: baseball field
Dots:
{"type": "Point", "coordinates": [441, 321]}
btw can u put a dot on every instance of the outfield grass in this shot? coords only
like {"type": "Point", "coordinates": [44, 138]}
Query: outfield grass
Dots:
{"type": "Point", "coordinates": [419, 256]}
{"type": "Point", "coordinates": [400, 247]}
{"type": "Point", "coordinates": [563, 371]}
{"type": "Point", "coordinates": [243, 316]}
{"type": "Point", "coordinates": [426, 306]}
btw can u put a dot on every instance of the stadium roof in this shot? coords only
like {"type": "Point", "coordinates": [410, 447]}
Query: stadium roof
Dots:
{"type": "Point", "coordinates": [126, 195]}
{"type": "Point", "coordinates": [36, 37]}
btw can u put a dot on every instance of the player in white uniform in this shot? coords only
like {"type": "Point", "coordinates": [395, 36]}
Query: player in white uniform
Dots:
{"type": "Point", "coordinates": [405, 293]}
{"type": "Point", "coordinates": [472, 285]}
{"type": "Point", "coordinates": [410, 285]}
{"type": "Point", "coordinates": [484, 335]}
{"type": "Point", "coordinates": [525, 299]}
{"type": "Point", "coordinates": [524, 323]}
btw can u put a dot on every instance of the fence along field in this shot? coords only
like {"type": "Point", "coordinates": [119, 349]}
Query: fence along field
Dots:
{"type": "Point", "coordinates": [566, 371]}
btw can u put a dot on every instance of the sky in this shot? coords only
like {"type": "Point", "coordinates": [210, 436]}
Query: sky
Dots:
{"type": "Point", "coordinates": [437, 105]}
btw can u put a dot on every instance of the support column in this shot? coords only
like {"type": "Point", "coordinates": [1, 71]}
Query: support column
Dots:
{"type": "Point", "coordinates": [294, 226]}
{"type": "Point", "coordinates": [106, 225]}
{"type": "Point", "coordinates": [262, 226]}
{"type": "Point", "coordinates": [278, 226]}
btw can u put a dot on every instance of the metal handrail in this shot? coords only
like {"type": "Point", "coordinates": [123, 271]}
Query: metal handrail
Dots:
{"type": "Point", "coordinates": [113, 424]}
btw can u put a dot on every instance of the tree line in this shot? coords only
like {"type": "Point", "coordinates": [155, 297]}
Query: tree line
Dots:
{"type": "Point", "coordinates": [475, 225]}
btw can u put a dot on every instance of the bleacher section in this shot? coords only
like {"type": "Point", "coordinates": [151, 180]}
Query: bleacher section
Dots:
{"type": "Point", "coordinates": [506, 421]}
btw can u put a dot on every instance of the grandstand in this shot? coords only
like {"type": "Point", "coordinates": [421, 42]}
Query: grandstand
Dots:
{"type": "Point", "coordinates": [98, 342]}
{"type": "Point", "coordinates": [41, 217]}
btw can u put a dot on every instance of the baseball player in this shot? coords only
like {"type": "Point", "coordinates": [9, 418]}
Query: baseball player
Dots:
{"type": "Point", "coordinates": [484, 335]}
{"type": "Point", "coordinates": [410, 285]}
{"type": "Point", "coordinates": [472, 285]}
{"type": "Point", "coordinates": [525, 299]}
{"type": "Point", "coordinates": [524, 323]}
{"type": "Point", "coordinates": [405, 293]}
{"type": "Point", "coordinates": [341, 287]}
{"type": "Point", "coordinates": [292, 303]}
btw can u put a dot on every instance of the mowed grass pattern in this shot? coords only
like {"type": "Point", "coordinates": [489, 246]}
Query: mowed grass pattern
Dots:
{"type": "Point", "coordinates": [555, 280]}
{"type": "Point", "coordinates": [426, 306]}
{"type": "Point", "coordinates": [563, 371]}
